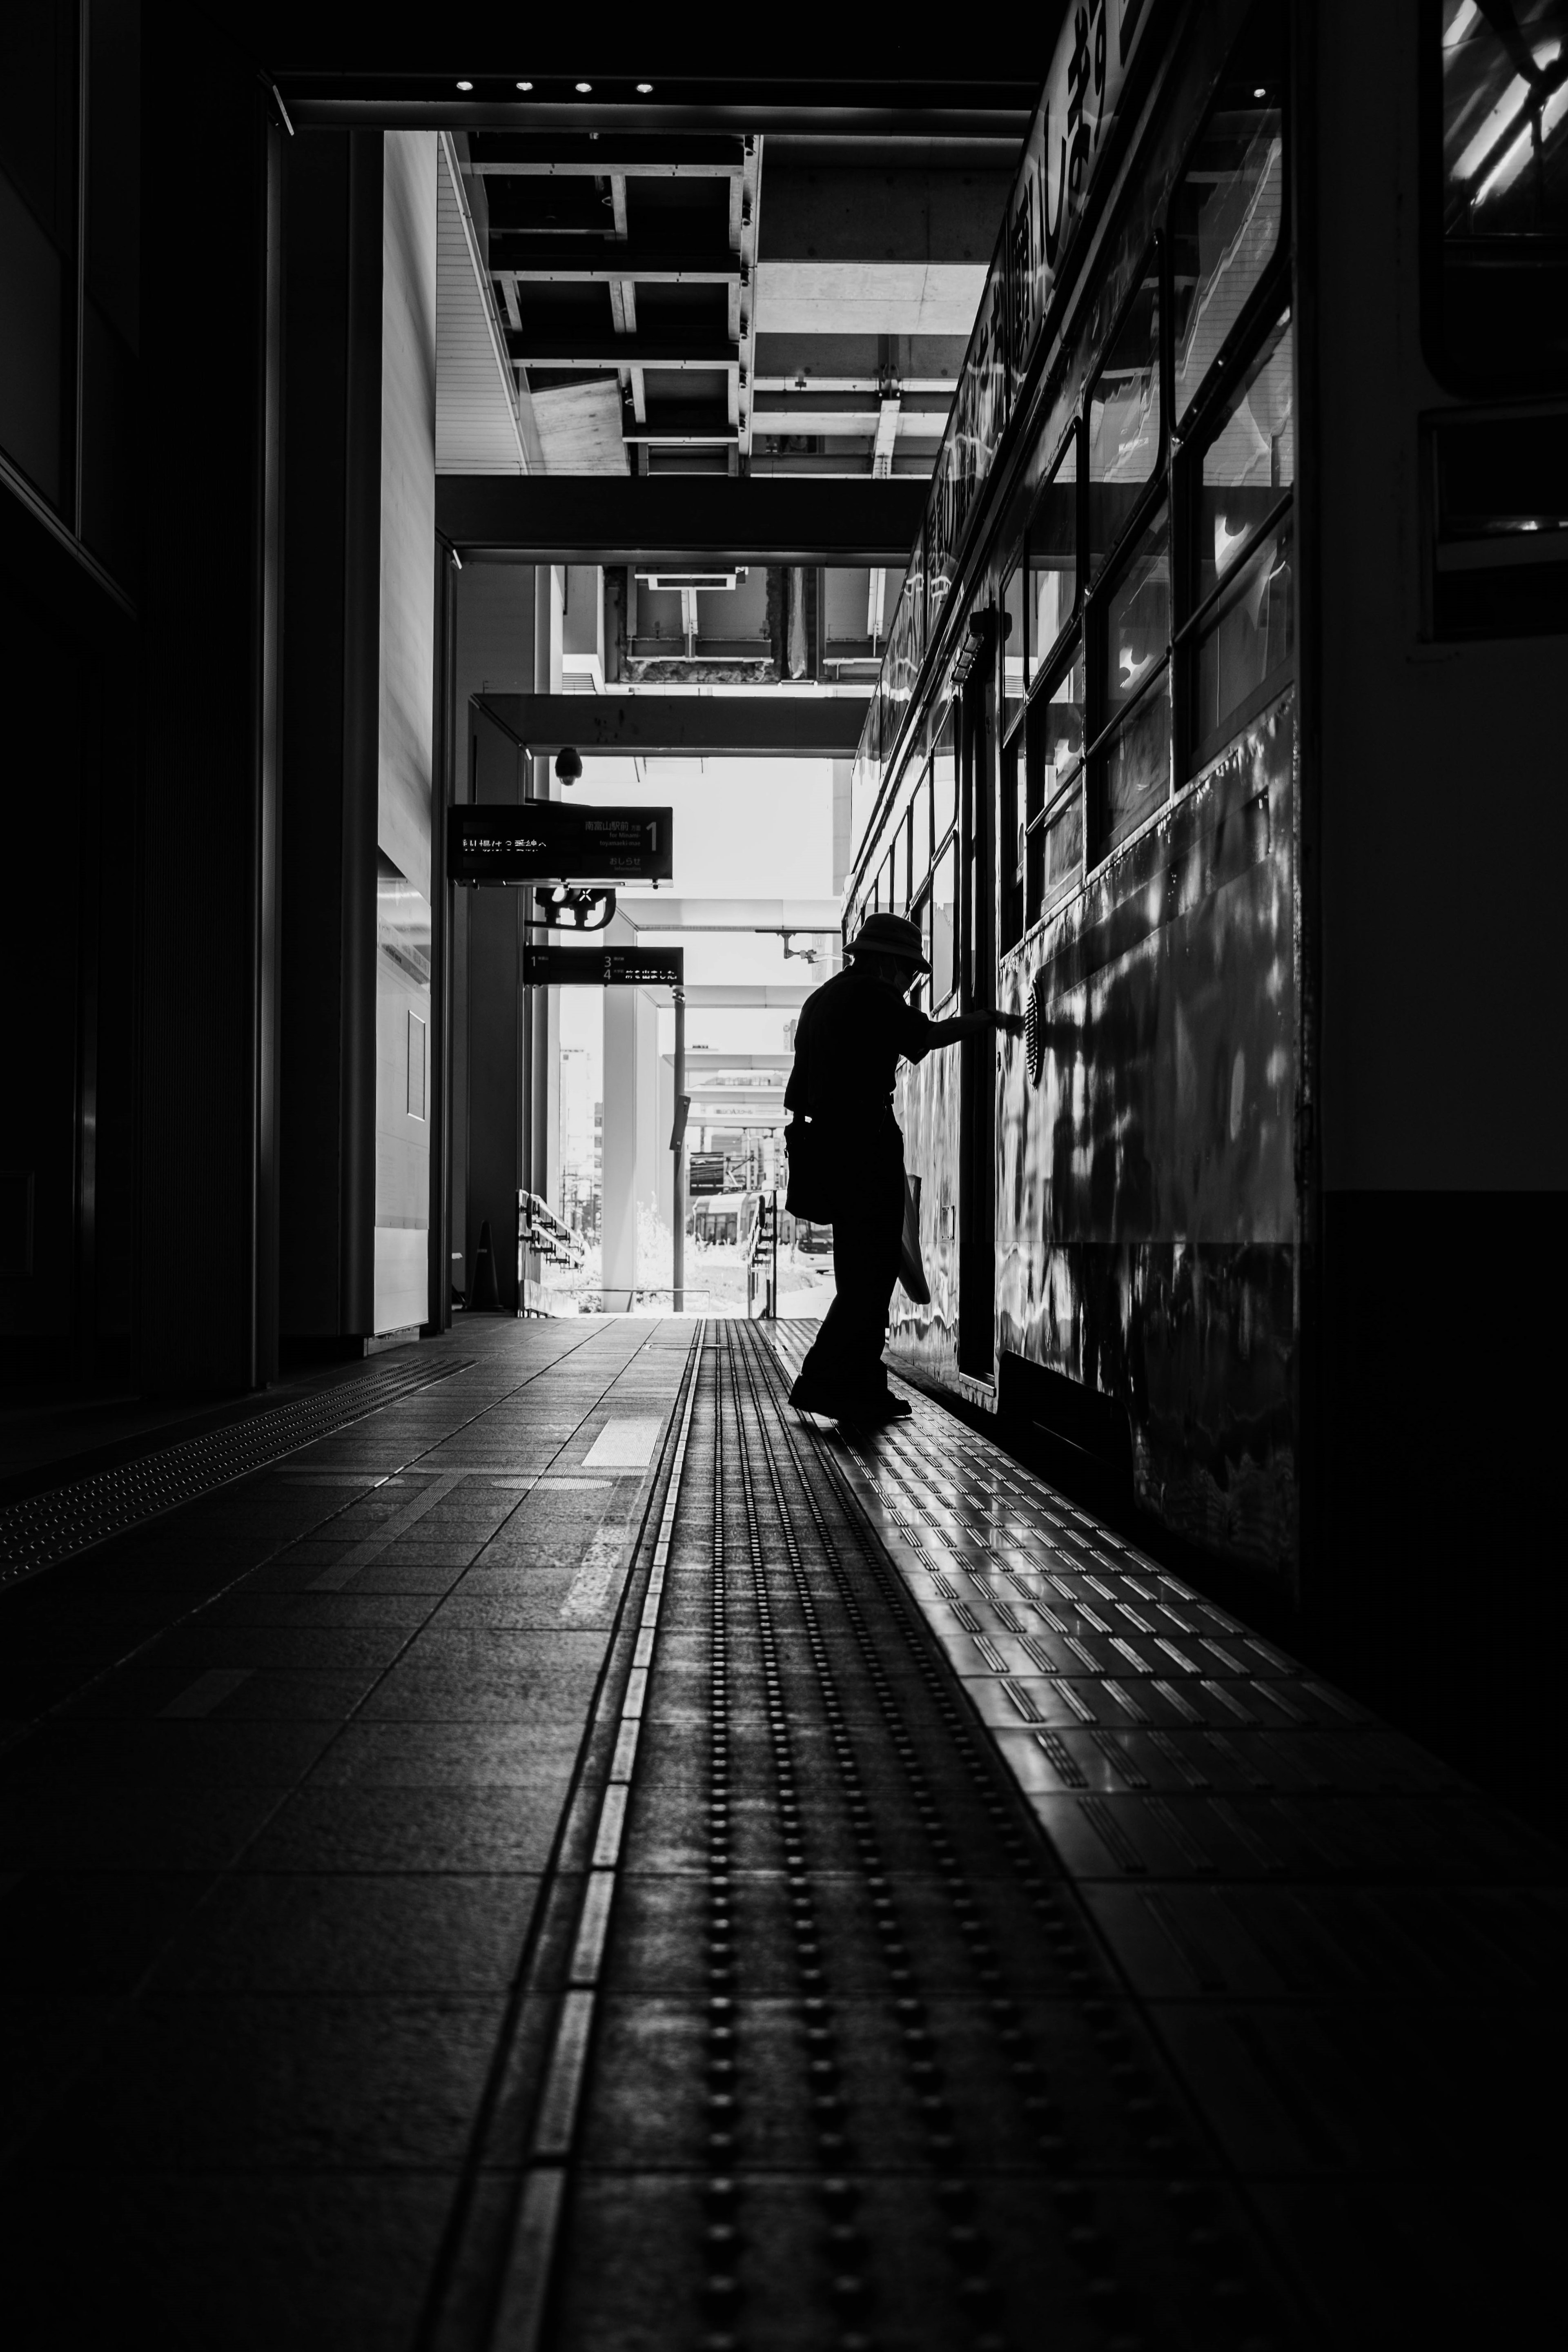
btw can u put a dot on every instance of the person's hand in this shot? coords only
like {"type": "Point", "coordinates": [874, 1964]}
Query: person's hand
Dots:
{"type": "Point", "coordinates": [1012, 1025]}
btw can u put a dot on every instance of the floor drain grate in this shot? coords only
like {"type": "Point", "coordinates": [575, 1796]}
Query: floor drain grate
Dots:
{"type": "Point", "coordinates": [48, 1527]}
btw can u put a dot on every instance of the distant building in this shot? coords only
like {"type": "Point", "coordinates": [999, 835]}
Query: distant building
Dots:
{"type": "Point", "coordinates": [582, 1131]}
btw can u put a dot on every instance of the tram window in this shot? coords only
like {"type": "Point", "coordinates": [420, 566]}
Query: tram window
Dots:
{"type": "Point", "coordinates": [1226, 213]}
{"type": "Point", "coordinates": [1249, 464]}
{"type": "Point", "coordinates": [899, 900]}
{"type": "Point", "coordinates": [1053, 558]}
{"type": "Point", "coordinates": [1124, 420]}
{"type": "Point", "coordinates": [1137, 619]}
{"type": "Point", "coordinates": [944, 780]}
{"type": "Point", "coordinates": [1056, 754]}
{"type": "Point", "coordinates": [1247, 644]}
{"type": "Point", "coordinates": [1012, 838]}
{"type": "Point", "coordinates": [943, 920]}
{"type": "Point", "coordinates": [920, 834]}
{"type": "Point", "coordinates": [1060, 728]}
{"type": "Point", "coordinates": [885, 885]}
{"type": "Point", "coordinates": [1502, 217]}
{"type": "Point", "coordinates": [1013, 647]}
{"type": "Point", "coordinates": [1061, 847]}
{"type": "Point", "coordinates": [1136, 766]}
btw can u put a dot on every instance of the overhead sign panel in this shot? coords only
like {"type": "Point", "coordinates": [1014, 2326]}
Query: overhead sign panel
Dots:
{"type": "Point", "coordinates": [605, 967]}
{"type": "Point", "coordinates": [559, 841]}
{"type": "Point", "coordinates": [789, 724]}
{"type": "Point", "coordinates": [682, 522]}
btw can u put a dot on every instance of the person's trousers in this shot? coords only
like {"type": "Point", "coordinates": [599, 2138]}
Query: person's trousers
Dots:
{"type": "Point", "coordinates": [845, 1365]}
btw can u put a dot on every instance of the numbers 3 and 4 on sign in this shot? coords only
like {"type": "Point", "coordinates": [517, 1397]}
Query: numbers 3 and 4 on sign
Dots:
{"type": "Point", "coordinates": [605, 967]}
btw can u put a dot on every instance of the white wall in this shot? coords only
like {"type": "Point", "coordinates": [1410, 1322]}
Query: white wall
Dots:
{"type": "Point", "coordinates": [407, 710]}
{"type": "Point", "coordinates": [407, 501]}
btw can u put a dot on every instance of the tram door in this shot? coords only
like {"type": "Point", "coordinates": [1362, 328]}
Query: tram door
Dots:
{"type": "Point", "coordinates": [977, 1077]}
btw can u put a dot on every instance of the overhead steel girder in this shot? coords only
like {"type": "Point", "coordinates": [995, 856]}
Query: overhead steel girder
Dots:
{"type": "Point", "coordinates": [583, 261]}
{"type": "Point", "coordinates": [778, 726]}
{"type": "Point", "coordinates": [542, 344]}
{"type": "Point", "coordinates": [672, 427]}
{"type": "Point", "coordinates": [681, 522]}
{"type": "Point", "coordinates": [639, 156]}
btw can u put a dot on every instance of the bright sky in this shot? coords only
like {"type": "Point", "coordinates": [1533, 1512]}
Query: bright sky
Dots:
{"type": "Point", "coordinates": [743, 829]}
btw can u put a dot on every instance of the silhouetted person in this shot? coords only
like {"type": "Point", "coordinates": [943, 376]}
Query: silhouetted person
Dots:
{"type": "Point", "coordinates": [853, 1032]}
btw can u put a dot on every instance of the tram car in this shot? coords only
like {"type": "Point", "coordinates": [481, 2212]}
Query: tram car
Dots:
{"type": "Point", "coordinates": [1220, 734]}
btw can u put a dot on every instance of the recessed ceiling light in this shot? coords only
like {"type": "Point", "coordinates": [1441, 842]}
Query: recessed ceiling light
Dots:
{"type": "Point", "coordinates": [525, 85]}
{"type": "Point", "coordinates": [1260, 93]}
{"type": "Point", "coordinates": [465, 85]}
{"type": "Point", "coordinates": [583, 88]}
{"type": "Point", "coordinates": [645, 89]}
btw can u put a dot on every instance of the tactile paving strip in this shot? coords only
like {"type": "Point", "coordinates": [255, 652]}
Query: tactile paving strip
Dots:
{"type": "Point", "coordinates": [859, 2073]}
{"type": "Point", "coordinates": [47, 1528]}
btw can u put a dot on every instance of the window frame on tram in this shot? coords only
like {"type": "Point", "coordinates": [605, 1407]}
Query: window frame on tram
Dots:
{"type": "Point", "coordinates": [1033, 885]}
{"type": "Point", "coordinates": [1230, 311]}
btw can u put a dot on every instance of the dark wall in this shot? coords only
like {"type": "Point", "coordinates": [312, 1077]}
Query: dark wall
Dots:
{"type": "Point", "coordinates": [69, 777]}
{"type": "Point", "coordinates": [67, 1161]}
{"type": "Point", "coordinates": [209, 813]}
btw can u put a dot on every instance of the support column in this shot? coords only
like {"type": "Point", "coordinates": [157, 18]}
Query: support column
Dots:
{"type": "Point", "coordinates": [359, 708]}
{"type": "Point", "coordinates": [543, 1143]}
{"type": "Point", "coordinates": [208, 849]}
{"type": "Point", "coordinates": [497, 1021]}
{"type": "Point", "coordinates": [677, 1147]}
{"type": "Point", "coordinates": [632, 1144]}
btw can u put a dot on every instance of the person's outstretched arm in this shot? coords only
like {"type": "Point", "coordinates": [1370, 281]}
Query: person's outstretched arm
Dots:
{"type": "Point", "coordinates": [975, 1024]}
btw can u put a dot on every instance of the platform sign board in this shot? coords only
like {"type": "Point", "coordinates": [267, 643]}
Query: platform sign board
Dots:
{"type": "Point", "coordinates": [605, 967]}
{"type": "Point", "coordinates": [558, 841]}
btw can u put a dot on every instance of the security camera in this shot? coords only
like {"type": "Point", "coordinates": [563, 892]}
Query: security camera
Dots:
{"type": "Point", "coordinates": [568, 765]}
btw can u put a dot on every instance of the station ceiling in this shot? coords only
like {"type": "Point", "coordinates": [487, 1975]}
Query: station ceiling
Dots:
{"type": "Point", "coordinates": [660, 256]}
{"type": "Point", "coordinates": [684, 270]}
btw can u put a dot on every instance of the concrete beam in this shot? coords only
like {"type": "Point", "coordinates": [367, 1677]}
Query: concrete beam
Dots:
{"type": "Point", "coordinates": [711, 1063]}
{"type": "Point", "coordinates": [776, 726]}
{"type": "Point", "coordinates": [883, 214]}
{"type": "Point", "coordinates": [893, 298]}
{"type": "Point", "coordinates": [639, 158]}
{"type": "Point", "coordinates": [557, 343]}
{"type": "Point", "coordinates": [740, 997]}
{"type": "Point", "coordinates": [681, 523]}
{"type": "Point", "coordinates": [581, 261]}
{"type": "Point", "coordinates": [797, 917]}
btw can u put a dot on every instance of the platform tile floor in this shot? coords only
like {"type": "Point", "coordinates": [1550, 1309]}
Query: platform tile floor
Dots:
{"type": "Point", "coordinates": [286, 1871]}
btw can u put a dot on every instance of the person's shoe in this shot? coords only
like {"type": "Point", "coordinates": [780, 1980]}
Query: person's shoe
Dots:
{"type": "Point", "coordinates": [810, 1398]}
{"type": "Point", "coordinates": [896, 1409]}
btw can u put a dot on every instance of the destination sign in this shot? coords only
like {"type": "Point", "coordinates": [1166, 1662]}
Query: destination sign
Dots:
{"type": "Point", "coordinates": [558, 841]}
{"type": "Point", "coordinates": [605, 967]}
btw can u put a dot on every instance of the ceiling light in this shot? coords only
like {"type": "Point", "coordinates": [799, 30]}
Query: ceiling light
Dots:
{"type": "Point", "coordinates": [1260, 93]}
{"type": "Point", "coordinates": [465, 85]}
{"type": "Point", "coordinates": [525, 85]}
{"type": "Point", "coordinates": [582, 88]}
{"type": "Point", "coordinates": [645, 89]}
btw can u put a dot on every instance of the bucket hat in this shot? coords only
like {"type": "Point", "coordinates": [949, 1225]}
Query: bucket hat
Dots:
{"type": "Point", "coordinates": [890, 935]}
